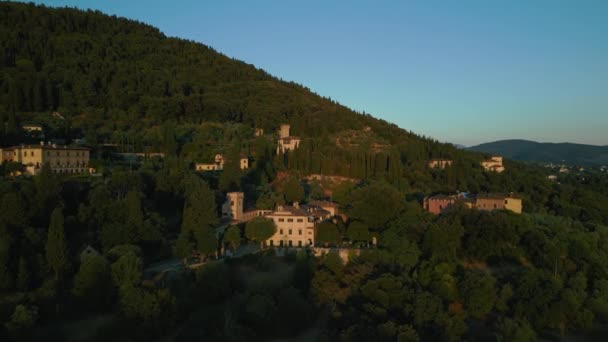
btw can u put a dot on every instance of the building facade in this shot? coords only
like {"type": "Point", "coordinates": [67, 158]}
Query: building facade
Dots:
{"type": "Point", "coordinates": [440, 163]}
{"type": "Point", "coordinates": [286, 142]}
{"type": "Point", "coordinates": [295, 227]}
{"type": "Point", "coordinates": [61, 159]}
{"type": "Point", "coordinates": [439, 203]}
{"type": "Point", "coordinates": [218, 164]}
{"type": "Point", "coordinates": [493, 164]}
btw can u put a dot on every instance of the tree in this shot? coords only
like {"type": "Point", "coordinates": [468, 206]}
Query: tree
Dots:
{"type": "Point", "coordinates": [22, 320]}
{"type": "Point", "coordinates": [56, 248]}
{"type": "Point", "coordinates": [375, 205]}
{"type": "Point", "coordinates": [358, 232]}
{"type": "Point", "coordinates": [479, 293]}
{"type": "Point", "coordinates": [508, 329]}
{"type": "Point", "coordinates": [328, 234]}
{"type": "Point", "coordinates": [127, 270]}
{"type": "Point", "coordinates": [233, 236]}
{"type": "Point", "coordinates": [23, 277]}
{"type": "Point", "coordinates": [293, 190]}
{"type": "Point", "coordinates": [200, 217]}
{"type": "Point", "coordinates": [231, 173]}
{"type": "Point", "coordinates": [260, 229]}
{"type": "Point", "coordinates": [93, 283]}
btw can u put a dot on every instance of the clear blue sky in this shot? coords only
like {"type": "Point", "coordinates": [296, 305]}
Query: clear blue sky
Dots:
{"type": "Point", "coordinates": [460, 71]}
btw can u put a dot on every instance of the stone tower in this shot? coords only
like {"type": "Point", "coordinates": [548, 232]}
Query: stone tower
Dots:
{"type": "Point", "coordinates": [233, 208]}
{"type": "Point", "coordinates": [284, 131]}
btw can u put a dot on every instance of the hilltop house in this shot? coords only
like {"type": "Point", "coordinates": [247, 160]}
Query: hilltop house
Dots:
{"type": "Point", "coordinates": [439, 203]}
{"type": "Point", "coordinates": [440, 163]}
{"type": "Point", "coordinates": [296, 224]}
{"type": "Point", "coordinates": [218, 164]}
{"type": "Point", "coordinates": [493, 164]}
{"type": "Point", "coordinates": [61, 159]}
{"type": "Point", "coordinates": [286, 142]}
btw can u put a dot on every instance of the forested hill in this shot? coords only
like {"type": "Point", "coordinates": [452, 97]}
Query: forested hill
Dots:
{"type": "Point", "coordinates": [107, 73]}
{"type": "Point", "coordinates": [531, 151]}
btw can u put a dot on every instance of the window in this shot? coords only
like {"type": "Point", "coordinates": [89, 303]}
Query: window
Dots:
{"type": "Point", "coordinates": [494, 205]}
{"type": "Point", "coordinates": [271, 243]}
{"type": "Point", "coordinates": [299, 231]}
{"type": "Point", "coordinates": [300, 220]}
{"type": "Point", "coordinates": [289, 220]}
{"type": "Point", "coordinates": [281, 243]}
{"type": "Point", "coordinates": [280, 231]}
{"type": "Point", "coordinates": [232, 203]}
{"type": "Point", "coordinates": [32, 154]}
{"type": "Point", "coordinates": [299, 243]}
{"type": "Point", "coordinates": [290, 243]}
{"type": "Point", "coordinates": [290, 232]}
{"type": "Point", "coordinates": [506, 201]}
{"type": "Point", "coordinates": [281, 220]}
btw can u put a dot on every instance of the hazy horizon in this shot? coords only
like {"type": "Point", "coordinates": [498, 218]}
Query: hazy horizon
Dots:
{"type": "Point", "coordinates": [468, 73]}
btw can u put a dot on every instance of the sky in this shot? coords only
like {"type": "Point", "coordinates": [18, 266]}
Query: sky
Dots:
{"type": "Point", "coordinates": [465, 72]}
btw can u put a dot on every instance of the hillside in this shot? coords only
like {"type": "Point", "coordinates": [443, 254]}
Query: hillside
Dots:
{"type": "Point", "coordinates": [95, 69]}
{"type": "Point", "coordinates": [531, 151]}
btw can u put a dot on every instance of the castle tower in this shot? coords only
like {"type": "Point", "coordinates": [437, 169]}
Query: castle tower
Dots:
{"type": "Point", "coordinates": [233, 208]}
{"type": "Point", "coordinates": [284, 131]}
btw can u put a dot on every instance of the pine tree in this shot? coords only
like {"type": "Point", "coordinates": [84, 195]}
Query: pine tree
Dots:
{"type": "Point", "coordinates": [56, 249]}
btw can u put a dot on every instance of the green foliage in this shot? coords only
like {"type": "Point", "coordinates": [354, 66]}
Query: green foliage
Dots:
{"type": "Point", "coordinates": [479, 293]}
{"type": "Point", "coordinates": [358, 232]}
{"type": "Point", "coordinates": [293, 190]}
{"type": "Point", "coordinates": [92, 283]}
{"type": "Point", "coordinates": [22, 320]}
{"type": "Point", "coordinates": [260, 229]}
{"type": "Point", "coordinates": [127, 271]}
{"type": "Point", "coordinates": [375, 205]}
{"type": "Point", "coordinates": [233, 236]}
{"type": "Point", "coordinates": [328, 234]}
{"type": "Point", "coordinates": [56, 247]}
{"type": "Point", "coordinates": [199, 219]}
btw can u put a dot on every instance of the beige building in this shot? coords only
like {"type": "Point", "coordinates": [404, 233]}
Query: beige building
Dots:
{"type": "Point", "coordinates": [32, 128]}
{"type": "Point", "coordinates": [440, 163]}
{"type": "Point", "coordinates": [233, 207]}
{"type": "Point", "coordinates": [286, 142]}
{"type": "Point", "coordinates": [296, 225]}
{"type": "Point", "coordinates": [510, 202]}
{"type": "Point", "coordinates": [218, 164]}
{"type": "Point", "coordinates": [61, 159]}
{"type": "Point", "coordinates": [439, 203]}
{"type": "Point", "coordinates": [493, 164]}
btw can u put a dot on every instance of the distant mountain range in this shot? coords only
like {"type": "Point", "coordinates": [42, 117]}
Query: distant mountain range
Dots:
{"type": "Point", "coordinates": [531, 151]}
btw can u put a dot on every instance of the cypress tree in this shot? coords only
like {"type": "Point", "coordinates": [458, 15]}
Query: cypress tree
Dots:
{"type": "Point", "coordinates": [56, 249]}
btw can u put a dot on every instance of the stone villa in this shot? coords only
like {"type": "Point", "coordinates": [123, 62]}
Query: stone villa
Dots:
{"type": "Point", "coordinates": [218, 164]}
{"type": "Point", "coordinates": [439, 203]}
{"type": "Point", "coordinates": [493, 164]}
{"type": "Point", "coordinates": [286, 142]}
{"type": "Point", "coordinates": [440, 163]}
{"type": "Point", "coordinates": [296, 224]}
{"type": "Point", "coordinates": [61, 159]}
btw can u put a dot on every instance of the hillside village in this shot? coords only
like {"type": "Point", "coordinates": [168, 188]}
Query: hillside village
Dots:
{"type": "Point", "coordinates": [295, 224]}
{"type": "Point", "coordinates": [153, 188]}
